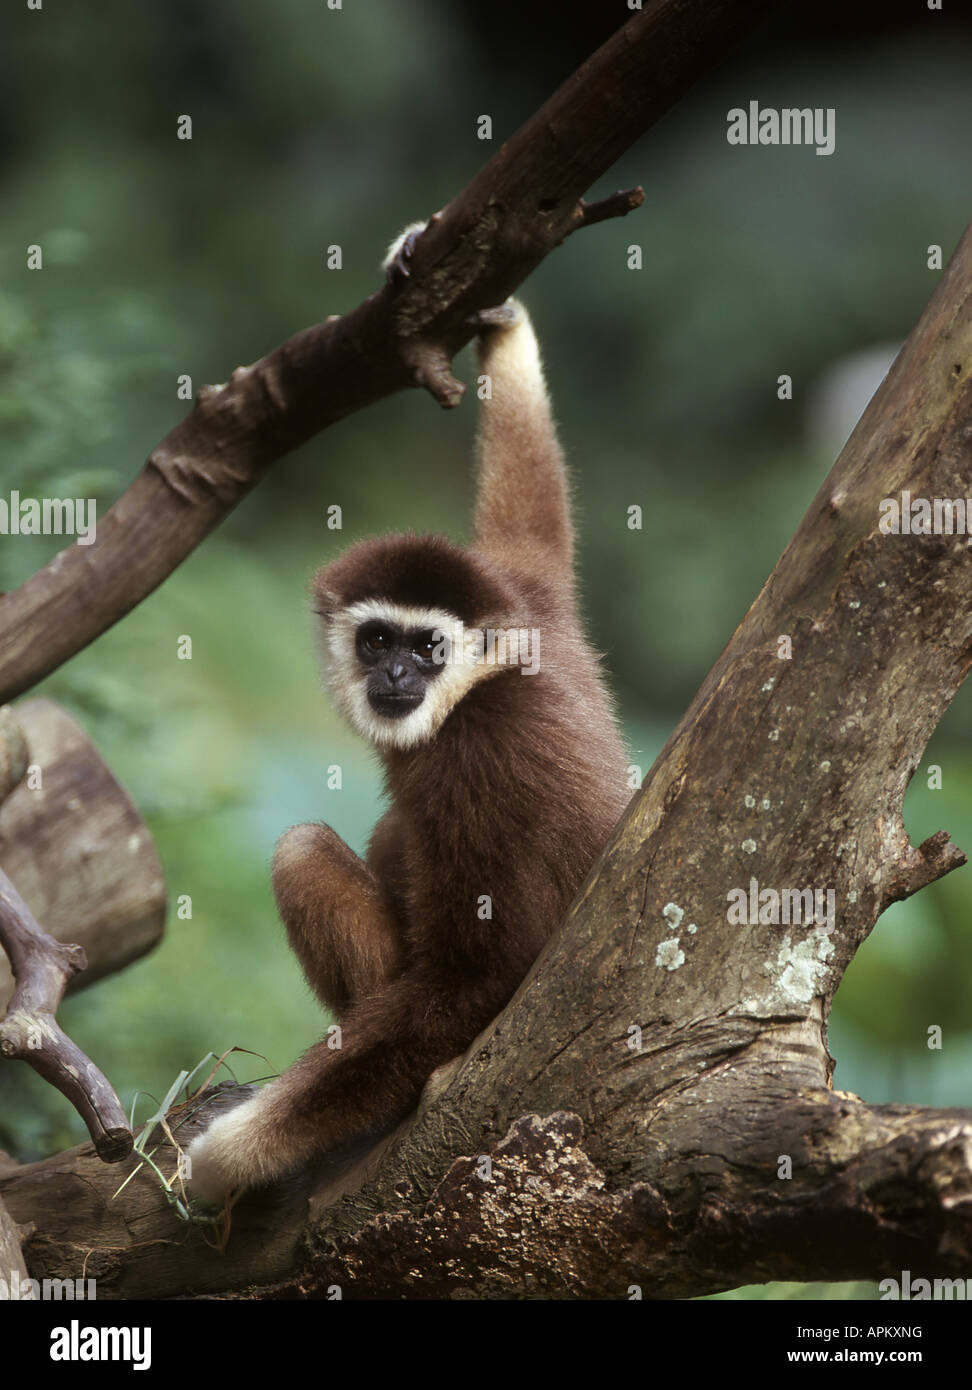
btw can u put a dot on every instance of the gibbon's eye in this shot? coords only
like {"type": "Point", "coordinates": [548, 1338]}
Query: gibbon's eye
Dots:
{"type": "Point", "coordinates": [425, 646]}
{"type": "Point", "coordinates": [378, 640]}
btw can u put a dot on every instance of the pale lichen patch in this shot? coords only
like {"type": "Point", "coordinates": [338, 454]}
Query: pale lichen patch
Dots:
{"type": "Point", "coordinates": [669, 955]}
{"type": "Point", "coordinates": [800, 968]}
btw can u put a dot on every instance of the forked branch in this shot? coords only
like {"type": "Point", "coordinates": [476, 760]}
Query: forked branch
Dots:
{"type": "Point", "coordinates": [30, 1032]}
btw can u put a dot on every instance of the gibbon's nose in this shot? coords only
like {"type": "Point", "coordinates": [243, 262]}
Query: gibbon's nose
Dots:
{"type": "Point", "coordinates": [395, 671]}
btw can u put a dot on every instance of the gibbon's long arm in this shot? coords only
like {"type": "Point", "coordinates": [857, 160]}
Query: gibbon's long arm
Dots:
{"type": "Point", "coordinates": [522, 512]}
{"type": "Point", "coordinates": [522, 502]}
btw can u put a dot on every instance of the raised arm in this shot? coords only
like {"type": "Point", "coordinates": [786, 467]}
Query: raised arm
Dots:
{"type": "Point", "coordinates": [522, 513]}
{"type": "Point", "coordinates": [522, 502]}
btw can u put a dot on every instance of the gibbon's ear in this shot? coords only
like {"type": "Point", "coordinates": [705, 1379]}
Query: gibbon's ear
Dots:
{"type": "Point", "coordinates": [324, 601]}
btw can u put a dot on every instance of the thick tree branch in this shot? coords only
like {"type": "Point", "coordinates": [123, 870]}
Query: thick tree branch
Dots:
{"type": "Point", "coordinates": [547, 1222]}
{"type": "Point", "coordinates": [517, 209]}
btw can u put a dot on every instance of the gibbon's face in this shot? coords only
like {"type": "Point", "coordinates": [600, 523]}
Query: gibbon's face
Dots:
{"type": "Point", "coordinates": [397, 671]}
{"type": "Point", "coordinates": [400, 663]}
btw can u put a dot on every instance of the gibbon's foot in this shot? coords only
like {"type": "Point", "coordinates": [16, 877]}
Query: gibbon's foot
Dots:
{"type": "Point", "coordinates": [396, 258]}
{"type": "Point", "coordinates": [227, 1156]}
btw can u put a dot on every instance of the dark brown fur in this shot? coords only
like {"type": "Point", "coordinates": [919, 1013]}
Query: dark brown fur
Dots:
{"type": "Point", "coordinates": [513, 798]}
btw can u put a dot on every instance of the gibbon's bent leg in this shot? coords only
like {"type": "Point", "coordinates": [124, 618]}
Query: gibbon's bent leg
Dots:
{"type": "Point", "coordinates": [349, 946]}
{"type": "Point", "coordinates": [338, 923]}
{"type": "Point", "coordinates": [391, 1045]}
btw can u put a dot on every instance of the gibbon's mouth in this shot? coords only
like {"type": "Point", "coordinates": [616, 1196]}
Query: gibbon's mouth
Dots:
{"type": "Point", "coordinates": [394, 706]}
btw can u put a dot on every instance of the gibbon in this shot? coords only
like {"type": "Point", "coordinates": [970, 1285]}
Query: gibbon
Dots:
{"type": "Point", "coordinates": [469, 672]}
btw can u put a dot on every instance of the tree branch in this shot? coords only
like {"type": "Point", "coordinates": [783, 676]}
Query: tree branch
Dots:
{"type": "Point", "coordinates": [30, 1031]}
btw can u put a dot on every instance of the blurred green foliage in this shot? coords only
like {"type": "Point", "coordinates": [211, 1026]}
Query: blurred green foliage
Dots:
{"type": "Point", "coordinates": [161, 257]}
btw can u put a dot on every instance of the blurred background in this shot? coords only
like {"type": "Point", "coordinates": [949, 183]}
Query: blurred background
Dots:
{"type": "Point", "coordinates": [313, 127]}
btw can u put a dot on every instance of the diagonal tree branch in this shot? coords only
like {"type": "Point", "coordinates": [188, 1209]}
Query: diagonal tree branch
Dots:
{"type": "Point", "coordinates": [513, 214]}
